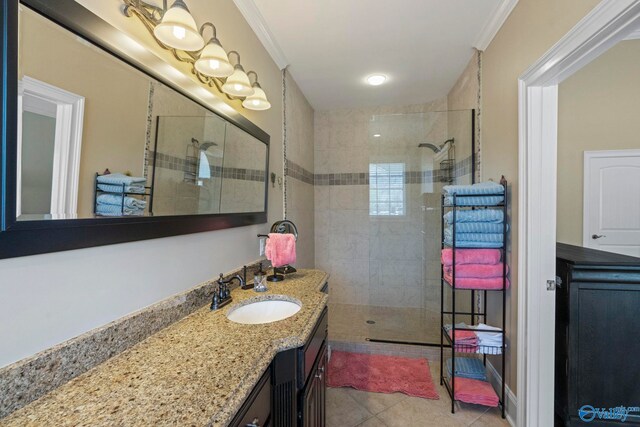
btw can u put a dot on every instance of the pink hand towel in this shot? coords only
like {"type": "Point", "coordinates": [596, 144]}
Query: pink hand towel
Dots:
{"type": "Point", "coordinates": [478, 271]}
{"type": "Point", "coordinates": [475, 391]}
{"type": "Point", "coordinates": [280, 249]}
{"type": "Point", "coordinates": [491, 284]}
{"type": "Point", "coordinates": [471, 256]}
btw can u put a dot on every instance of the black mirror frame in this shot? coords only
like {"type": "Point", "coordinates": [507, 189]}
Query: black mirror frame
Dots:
{"type": "Point", "coordinates": [38, 237]}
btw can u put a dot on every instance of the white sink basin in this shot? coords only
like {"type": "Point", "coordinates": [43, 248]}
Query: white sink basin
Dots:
{"type": "Point", "coordinates": [263, 312]}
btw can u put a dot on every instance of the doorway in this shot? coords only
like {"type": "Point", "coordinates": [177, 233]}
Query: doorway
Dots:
{"type": "Point", "coordinates": [608, 23]}
{"type": "Point", "coordinates": [50, 123]}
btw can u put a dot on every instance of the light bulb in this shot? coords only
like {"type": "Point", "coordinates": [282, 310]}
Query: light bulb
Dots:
{"type": "Point", "coordinates": [376, 79]}
{"type": "Point", "coordinates": [214, 64]}
{"type": "Point", "coordinates": [237, 86]}
{"type": "Point", "coordinates": [255, 102]}
{"type": "Point", "coordinates": [179, 32]}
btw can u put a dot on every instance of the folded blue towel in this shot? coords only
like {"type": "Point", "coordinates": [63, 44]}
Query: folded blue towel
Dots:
{"type": "Point", "coordinates": [468, 367]}
{"type": "Point", "coordinates": [473, 237]}
{"type": "Point", "coordinates": [495, 216]}
{"type": "Point", "coordinates": [129, 202]}
{"type": "Point", "coordinates": [473, 244]}
{"type": "Point", "coordinates": [113, 210]}
{"type": "Point", "coordinates": [133, 188]}
{"type": "Point", "coordinates": [479, 227]}
{"type": "Point", "coordinates": [475, 201]}
{"type": "Point", "coordinates": [482, 188]}
{"type": "Point", "coordinates": [119, 179]}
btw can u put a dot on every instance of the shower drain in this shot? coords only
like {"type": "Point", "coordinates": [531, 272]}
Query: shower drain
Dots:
{"type": "Point", "coordinates": [371, 322]}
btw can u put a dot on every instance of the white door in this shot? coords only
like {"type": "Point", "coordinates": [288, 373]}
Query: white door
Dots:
{"type": "Point", "coordinates": [612, 201]}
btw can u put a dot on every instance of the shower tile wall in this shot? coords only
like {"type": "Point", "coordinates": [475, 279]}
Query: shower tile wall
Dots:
{"type": "Point", "coordinates": [372, 261]}
{"type": "Point", "coordinates": [299, 172]}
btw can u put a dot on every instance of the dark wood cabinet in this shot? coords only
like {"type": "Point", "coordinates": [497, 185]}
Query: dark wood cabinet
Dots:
{"type": "Point", "coordinates": [597, 330]}
{"type": "Point", "coordinates": [256, 410]}
{"type": "Point", "coordinates": [313, 396]}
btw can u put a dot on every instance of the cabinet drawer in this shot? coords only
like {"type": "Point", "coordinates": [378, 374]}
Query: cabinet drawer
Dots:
{"type": "Point", "coordinates": [308, 354]}
{"type": "Point", "coordinates": [257, 407]}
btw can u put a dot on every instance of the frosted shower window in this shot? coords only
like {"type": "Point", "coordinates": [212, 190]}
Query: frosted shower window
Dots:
{"type": "Point", "coordinates": [386, 189]}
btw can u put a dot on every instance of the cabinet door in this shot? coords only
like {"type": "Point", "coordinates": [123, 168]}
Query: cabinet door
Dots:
{"type": "Point", "coordinates": [322, 388]}
{"type": "Point", "coordinates": [310, 409]}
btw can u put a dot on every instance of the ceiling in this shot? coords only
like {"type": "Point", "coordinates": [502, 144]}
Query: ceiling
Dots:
{"type": "Point", "coordinates": [331, 46]}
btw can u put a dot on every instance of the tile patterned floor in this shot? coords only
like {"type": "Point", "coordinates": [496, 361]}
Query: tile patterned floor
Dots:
{"type": "Point", "coordinates": [352, 408]}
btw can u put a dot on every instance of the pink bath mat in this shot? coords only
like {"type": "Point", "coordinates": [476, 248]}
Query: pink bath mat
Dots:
{"type": "Point", "coordinates": [381, 374]}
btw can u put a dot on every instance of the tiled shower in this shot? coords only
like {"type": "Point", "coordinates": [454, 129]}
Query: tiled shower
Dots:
{"type": "Point", "coordinates": [377, 216]}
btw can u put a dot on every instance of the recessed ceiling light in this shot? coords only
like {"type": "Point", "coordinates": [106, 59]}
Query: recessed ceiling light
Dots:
{"type": "Point", "coordinates": [376, 135]}
{"type": "Point", "coordinates": [376, 79]}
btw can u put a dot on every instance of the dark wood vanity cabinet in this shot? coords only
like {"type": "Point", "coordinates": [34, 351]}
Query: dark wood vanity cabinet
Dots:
{"type": "Point", "coordinates": [299, 381]}
{"type": "Point", "coordinates": [256, 411]}
{"type": "Point", "coordinates": [596, 336]}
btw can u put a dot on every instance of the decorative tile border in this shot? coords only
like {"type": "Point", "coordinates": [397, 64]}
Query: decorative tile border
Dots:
{"type": "Point", "coordinates": [29, 379]}
{"type": "Point", "coordinates": [167, 161]}
{"type": "Point", "coordinates": [296, 171]}
{"type": "Point", "coordinates": [410, 177]}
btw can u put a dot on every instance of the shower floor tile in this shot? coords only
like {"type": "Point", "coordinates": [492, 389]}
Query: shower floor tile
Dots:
{"type": "Point", "coordinates": [358, 323]}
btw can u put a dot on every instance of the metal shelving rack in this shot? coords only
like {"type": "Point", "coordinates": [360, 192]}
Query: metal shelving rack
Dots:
{"type": "Point", "coordinates": [449, 383]}
{"type": "Point", "coordinates": [148, 193]}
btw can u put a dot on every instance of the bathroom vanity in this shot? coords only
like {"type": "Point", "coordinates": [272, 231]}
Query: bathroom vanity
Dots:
{"type": "Point", "coordinates": [207, 370]}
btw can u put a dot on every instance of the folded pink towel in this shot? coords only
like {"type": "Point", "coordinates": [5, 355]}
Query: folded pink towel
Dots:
{"type": "Point", "coordinates": [478, 271]}
{"type": "Point", "coordinates": [280, 249]}
{"type": "Point", "coordinates": [491, 284]}
{"type": "Point", "coordinates": [475, 391]}
{"type": "Point", "coordinates": [471, 256]}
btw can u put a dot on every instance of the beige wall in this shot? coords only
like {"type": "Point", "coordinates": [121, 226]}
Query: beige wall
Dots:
{"type": "Point", "coordinates": [597, 110]}
{"type": "Point", "coordinates": [300, 203]}
{"type": "Point", "coordinates": [68, 284]}
{"type": "Point", "coordinates": [531, 29]}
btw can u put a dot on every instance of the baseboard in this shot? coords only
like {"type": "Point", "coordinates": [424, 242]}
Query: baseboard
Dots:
{"type": "Point", "coordinates": [511, 401]}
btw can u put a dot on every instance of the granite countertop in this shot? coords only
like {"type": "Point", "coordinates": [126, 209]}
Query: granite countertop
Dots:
{"type": "Point", "coordinates": [196, 372]}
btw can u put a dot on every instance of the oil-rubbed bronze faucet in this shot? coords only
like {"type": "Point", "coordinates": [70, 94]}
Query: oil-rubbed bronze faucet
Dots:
{"type": "Point", "coordinates": [221, 293]}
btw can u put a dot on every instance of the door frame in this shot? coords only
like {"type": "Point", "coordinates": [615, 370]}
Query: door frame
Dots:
{"type": "Point", "coordinates": [589, 155]}
{"type": "Point", "coordinates": [608, 23]}
{"type": "Point", "coordinates": [69, 115]}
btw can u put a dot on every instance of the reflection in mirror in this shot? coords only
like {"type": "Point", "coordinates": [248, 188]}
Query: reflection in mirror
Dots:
{"type": "Point", "coordinates": [98, 138]}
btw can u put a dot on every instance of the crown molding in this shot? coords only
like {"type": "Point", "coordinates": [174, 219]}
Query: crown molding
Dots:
{"type": "Point", "coordinates": [489, 31]}
{"type": "Point", "coordinates": [634, 36]}
{"type": "Point", "coordinates": [259, 26]}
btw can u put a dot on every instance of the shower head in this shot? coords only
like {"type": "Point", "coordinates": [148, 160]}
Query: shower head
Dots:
{"type": "Point", "coordinates": [205, 145]}
{"type": "Point", "coordinates": [435, 148]}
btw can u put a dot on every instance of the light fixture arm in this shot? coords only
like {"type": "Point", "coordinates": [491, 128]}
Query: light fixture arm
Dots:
{"type": "Point", "coordinates": [235, 52]}
{"type": "Point", "coordinates": [213, 30]}
{"type": "Point", "coordinates": [255, 81]}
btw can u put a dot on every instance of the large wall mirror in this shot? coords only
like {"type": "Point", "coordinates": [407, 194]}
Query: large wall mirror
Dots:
{"type": "Point", "coordinates": [102, 151]}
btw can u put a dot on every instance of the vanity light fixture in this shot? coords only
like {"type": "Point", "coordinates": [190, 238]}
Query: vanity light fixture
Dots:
{"type": "Point", "coordinates": [376, 79]}
{"type": "Point", "coordinates": [175, 29]}
{"type": "Point", "coordinates": [213, 60]}
{"type": "Point", "coordinates": [257, 101]}
{"type": "Point", "coordinates": [238, 83]}
{"type": "Point", "coordinates": [178, 29]}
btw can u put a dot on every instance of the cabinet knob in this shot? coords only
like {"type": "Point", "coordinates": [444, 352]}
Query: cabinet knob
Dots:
{"type": "Point", "coordinates": [254, 423]}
